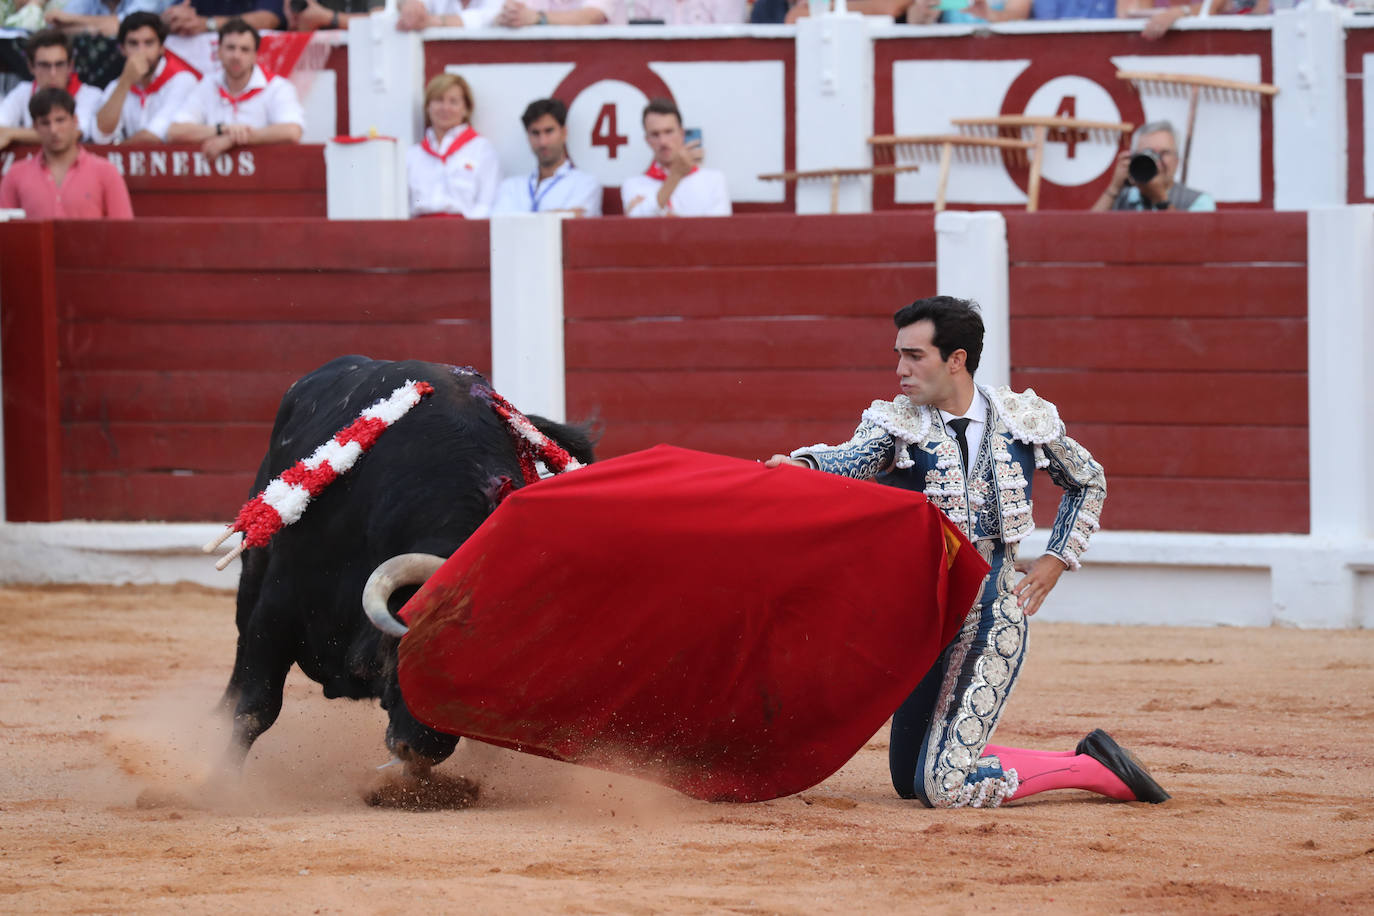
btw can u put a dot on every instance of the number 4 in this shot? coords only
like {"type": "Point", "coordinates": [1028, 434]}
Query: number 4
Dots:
{"type": "Point", "coordinates": [604, 131]}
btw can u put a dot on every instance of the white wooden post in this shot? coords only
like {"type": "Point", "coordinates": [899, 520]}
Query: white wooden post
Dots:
{"type": "Point", "coordinates": [834, 109]}
{"type": "Point", "coordinates": [1309, 114]}
{"type": "Point", "coordinates": [971, 263]}
{"type": "Point", "coordinates": [527, 312]}
{"type": "Point", "coordinates": [386, 71]}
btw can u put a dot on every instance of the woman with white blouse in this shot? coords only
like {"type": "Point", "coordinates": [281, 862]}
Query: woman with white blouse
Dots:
{"type": "Point", "coordinates": [453, 171]}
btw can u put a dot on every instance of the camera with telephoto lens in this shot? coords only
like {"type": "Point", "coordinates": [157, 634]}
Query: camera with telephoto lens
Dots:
{"type": "Point", "coordinates": [1143, 167]}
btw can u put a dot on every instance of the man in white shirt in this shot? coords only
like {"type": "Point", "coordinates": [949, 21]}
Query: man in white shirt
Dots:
{"type": "Point", "coordinates": [138, 107]}
{"type": "Point", "coordinates": [242, 106]}
{"type": "Point", "coordinates": [50, 59]}
{"type": "Point", "coordinates": [675, 184]}
{"type": "Point", "coordinates": [555, 186]}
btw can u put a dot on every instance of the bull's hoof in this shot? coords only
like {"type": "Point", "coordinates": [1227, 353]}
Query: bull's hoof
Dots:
{"type": "Point", "coordinates": [435, 792]}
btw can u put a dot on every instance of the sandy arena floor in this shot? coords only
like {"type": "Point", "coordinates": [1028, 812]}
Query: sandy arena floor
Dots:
{"type": "Point", "coordinates": [1265, 738]}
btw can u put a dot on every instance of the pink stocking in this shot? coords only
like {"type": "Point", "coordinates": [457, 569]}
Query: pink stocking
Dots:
{"type": "Point", "coordinates": [999, 750]}
{"type": "Point", "coordinates": [1041, 771]}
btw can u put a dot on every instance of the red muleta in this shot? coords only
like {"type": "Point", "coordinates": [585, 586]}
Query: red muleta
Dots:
{"type": "Point", "coordinates": [733, 632]}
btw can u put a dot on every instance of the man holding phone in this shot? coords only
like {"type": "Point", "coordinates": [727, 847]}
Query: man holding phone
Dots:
{"type": "Point", "coordinates": [675, 184]}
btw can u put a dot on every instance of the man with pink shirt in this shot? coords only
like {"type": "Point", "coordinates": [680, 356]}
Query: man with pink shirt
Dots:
{"type": "Point", "coordinates": [63, 181]}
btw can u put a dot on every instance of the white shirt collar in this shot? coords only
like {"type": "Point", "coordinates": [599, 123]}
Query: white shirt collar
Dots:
{"type": "Point", "coordinates": [257, 80]}
{"type": "Point", "coordinates": [977, 409]}
{"type": "Point", "coordinates": [563, 169]}
{"type": "Point", "coordinates": [441, 143]}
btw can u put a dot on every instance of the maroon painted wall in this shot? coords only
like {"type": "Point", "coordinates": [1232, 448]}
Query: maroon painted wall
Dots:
{"type": "Point", "coordinates": [143, 362]}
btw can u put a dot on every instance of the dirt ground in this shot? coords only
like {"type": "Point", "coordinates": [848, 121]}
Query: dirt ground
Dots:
{"type": "Point", "coordinates": [1264, 737]}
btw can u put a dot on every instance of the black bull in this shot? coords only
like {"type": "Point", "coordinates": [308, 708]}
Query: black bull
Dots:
{"type": "Point", "coordinates": [424, 487]}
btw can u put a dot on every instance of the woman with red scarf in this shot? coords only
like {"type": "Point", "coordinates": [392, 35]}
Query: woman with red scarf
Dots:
{"type": "Point", "coordinates": [452, 171]}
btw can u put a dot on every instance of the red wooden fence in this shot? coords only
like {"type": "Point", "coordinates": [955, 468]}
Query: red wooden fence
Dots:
{"type": "Point", "coordinates": [1176, 347]}
{"type": "Point", "coordinates": [143, 362]}
{"type": "Point", "coordinates": [743, 336]}
{"type": "Point", "coordinates": [175, 340]}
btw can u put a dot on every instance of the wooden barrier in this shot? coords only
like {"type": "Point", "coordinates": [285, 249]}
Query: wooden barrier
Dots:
{"type": "Point", "coordinates": [743, 336]}
{"type": "Point", "coordinates": [143, 362]}
{"type": "Point", "coordinates": [176, 340]}
{"type": "Point", "coordinates": [1176, 347]}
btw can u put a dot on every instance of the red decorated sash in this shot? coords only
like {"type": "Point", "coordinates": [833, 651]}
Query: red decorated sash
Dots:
{"type": "Point", "coordinates": [463, 139]}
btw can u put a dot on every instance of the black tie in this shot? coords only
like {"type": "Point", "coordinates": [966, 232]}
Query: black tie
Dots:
{"type": "Point", "coordinates": [959, 424]}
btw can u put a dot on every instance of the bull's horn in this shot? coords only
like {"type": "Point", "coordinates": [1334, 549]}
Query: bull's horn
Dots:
{"type": "Point", "coordinates": [399, 571]}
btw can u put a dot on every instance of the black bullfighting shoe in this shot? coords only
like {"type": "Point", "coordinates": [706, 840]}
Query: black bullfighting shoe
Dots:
{"type": "Point", "coordinates": [1101, 747]}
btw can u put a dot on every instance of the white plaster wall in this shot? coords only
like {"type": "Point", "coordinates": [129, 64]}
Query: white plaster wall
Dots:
{"type": "Point", "coordinates": [976, 89]}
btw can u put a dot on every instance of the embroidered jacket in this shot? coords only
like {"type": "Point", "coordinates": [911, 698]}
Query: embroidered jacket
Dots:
{"type": "Point", "coordinates": [908, 445]}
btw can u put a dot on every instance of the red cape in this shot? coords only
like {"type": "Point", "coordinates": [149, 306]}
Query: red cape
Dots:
{"type": "Point", "coordinates": [733, 632]}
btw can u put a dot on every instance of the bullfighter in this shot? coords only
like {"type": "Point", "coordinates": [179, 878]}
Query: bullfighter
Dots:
{"type": "Point", "coordinates": [972, 450]}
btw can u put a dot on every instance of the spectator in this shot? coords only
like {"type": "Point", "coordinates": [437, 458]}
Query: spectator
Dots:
{"type": "Point", "coordinates": [184, 18]}
{"type": "Point", "coordinates": [50, 59]}
{"type": "Point", "coordinates": [1158, 141]}
{"type": "Point", "coordinates": [555, 186]}
{"type": "Point", "coordinates": [241, 106]}
{"type": "Point", "coordinates": [925, 12]}
{"type": "Point", "coordinates": [138, 107]}
{"type": "Point", "coordinates": [687, 12]}
{"type": "Point", "coordinates": [452, 171]}
{"type": "Point", "coordinates": [675, 184]}
{"type": "Point", "coordinates": [766, 11]}
{"type": "Point", "coordinates": [516, 15]}
{"type": "Point", "coordinates": [100, 16]}
{"type": "Point", "coordinates": [428, 14]}
{"type": "Point", "coordinates": [64, 181]}
{"type": "Point", "coordinates": [1073, 9]}
{"type": "Point", "coordinates": [1159, 20]}
{"type": "Point", "coordinates": [308, 15]}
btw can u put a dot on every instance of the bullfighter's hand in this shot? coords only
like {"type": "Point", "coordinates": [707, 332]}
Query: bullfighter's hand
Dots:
{"type": "Point", "coordinates": [778, 460]}
{"type": "Point", "coordinates": [1041, 576]}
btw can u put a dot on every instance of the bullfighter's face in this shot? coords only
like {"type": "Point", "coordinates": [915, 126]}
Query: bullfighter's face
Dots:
{"type": "Point", "coordinates": [924, 376]}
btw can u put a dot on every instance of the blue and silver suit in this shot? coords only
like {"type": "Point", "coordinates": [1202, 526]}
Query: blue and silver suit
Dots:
{"type": "Point", "coordinates": [939, 732]}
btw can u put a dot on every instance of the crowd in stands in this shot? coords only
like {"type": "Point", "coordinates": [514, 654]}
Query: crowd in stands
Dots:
{"type": "Point", "coordinates": [192, 17]}
{"type": "Point", "coordinates": [453, 171]}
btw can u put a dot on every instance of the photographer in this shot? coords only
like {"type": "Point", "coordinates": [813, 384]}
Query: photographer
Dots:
{"type": "Point", "coordinates": [1144, 178]}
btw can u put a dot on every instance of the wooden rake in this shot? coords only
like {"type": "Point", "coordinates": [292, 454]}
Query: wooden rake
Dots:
{"type": "Point", "coordinates": [1194, 86]}
{"type": "Point", "coordinates": [1040, 127]}
{"type": "Point", "coordinates": [888, 148]}
{"type": "Point", "coordinates": [836, 175]}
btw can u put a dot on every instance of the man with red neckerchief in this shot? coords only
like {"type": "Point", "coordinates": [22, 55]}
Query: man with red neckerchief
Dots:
{"type": "Point", "coordinates": [50, 59]}
{"type": "Point", "coordinates": [138, 107]}
{"type": "Point", "coordinates": [243, 106]}
{"type": "Point", "coordinates": [675, 184]}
